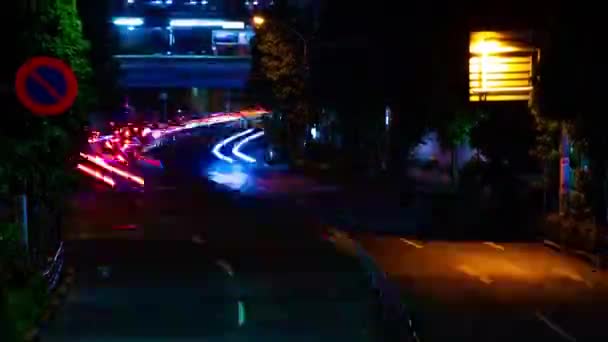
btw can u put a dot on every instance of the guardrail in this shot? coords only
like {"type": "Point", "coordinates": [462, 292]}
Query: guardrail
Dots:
{"type": "Point", "coordinates": [53, 271]}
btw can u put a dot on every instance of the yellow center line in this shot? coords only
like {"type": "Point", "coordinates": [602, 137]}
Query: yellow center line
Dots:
{"type": "Point", "coordinates": [412, 243]}
{"type": "Point", "coordinates": [494, 245]}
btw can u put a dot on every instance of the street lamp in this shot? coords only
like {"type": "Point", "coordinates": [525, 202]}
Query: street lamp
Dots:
{"type": "Point", "coordinates": [258, 20]}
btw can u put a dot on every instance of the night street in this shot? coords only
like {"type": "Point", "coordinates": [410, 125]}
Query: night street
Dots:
{"type": "Point", "coordinates": [161, 245]}
{"type": "Point", "coordinates": [481, 291]}
{"type": "Point", "coordinates": [303, 170]}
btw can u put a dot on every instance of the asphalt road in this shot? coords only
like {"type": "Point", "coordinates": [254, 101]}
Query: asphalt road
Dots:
{"type": "Point", "coordinates": [458, 290]}
{"type": "Point", "coordinates": [482, 291]}
{"type": "Point", "coordinates": [173, 291]}
{"type": "Point", "coordinates": [188, 261]}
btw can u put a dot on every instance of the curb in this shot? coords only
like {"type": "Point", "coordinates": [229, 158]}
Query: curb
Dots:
{"type": "Point", "coordinates": [552, 245]}
{"type": "Point", "coordinates": [56, 299]}
{"type": "Point", "coordinates": [380, 284]}
{"type": "Point", "coordinates": [596, 260]}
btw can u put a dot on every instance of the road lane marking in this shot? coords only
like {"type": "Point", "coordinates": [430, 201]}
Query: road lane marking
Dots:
{"type": "Point", "coordinates": [572, 275]}
{"type": "Point", "coordinates": [494, 245]}
{"type": "Point", "coordinates": [411, 243]}
{"type": "Point", "coordinates": [474, 274]}
{"type": "Point", "coordinates": [197, 239]}
{"type": "Point", "coordinates": [242, 313]}
{"type": "Point", "coordinates": [165, 188]}
{"type": "Point", "coordinates": [556, 328]}
{"type": "Point", "coordinates": [514, 269]}
{"type": "Point", "coordinates": [226, 267]}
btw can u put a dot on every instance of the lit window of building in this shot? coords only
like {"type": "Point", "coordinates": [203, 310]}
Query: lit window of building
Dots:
{"type": "Point", "coordinates": [501, 66]}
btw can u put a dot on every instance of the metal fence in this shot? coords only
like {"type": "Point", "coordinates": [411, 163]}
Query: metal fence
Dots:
{"type": "Point", "coordinates": [53, 270]}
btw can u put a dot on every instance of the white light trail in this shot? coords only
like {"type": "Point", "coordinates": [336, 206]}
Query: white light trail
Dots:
{"type": "Point", "coordinates": [221, 144]}
{"type": "Point", "coordinates": [236, 150]}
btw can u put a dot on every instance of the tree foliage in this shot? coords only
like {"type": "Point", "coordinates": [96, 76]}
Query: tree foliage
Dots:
{"type": "Point", "coordinates": [36, 151]}
{"type": "Point", "coordinates": [570, 90]}
{"type": "Point", "coordinates": [97, 29]}
{"type": "Point", "coordinates": [280, 64]}
{"type": "Point", "coordinates": [279, 75]}
{"type": "Point", "coordinates": [504, 135]}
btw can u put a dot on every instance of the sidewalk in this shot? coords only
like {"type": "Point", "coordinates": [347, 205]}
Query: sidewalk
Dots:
{"type": "Point", "coordinates": [364, 204]}
{"type": "Point", "coordinates": [421, 203]}
{"type": "Point", "coordinates": [365, 209]}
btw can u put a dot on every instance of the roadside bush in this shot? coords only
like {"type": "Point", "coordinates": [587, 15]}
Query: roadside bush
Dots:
{"type": "Point", "coordinates": [429, 165]}
{"type": "Point", "coordinates": [23, 291]}
{"type": "Point", "coordinates": [471, 176]}
{"type": "Point", "coordinates": [321, 152]}
{"type": "Point", "coordinates": [25, 304]}
{"type": "Point", "coordinates": [571, 232]}
{"type": "Point", "coordinates": [496, 200]}
{"type": "Point", "coordinates": [9, 232]}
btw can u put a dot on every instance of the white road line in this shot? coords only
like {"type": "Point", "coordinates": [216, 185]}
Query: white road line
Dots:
{"type": "Point", "coordinates": [226, 267]}
{"type": "Point", "coordinates": [474, 274]}
{"type": "Point", "coordinates": [411, 243]}
{"type": "Point", "coordinates": [242, 313]}
{"type": "Point", "coordinates": [572, 275]}
{"type": "Point", "coordinates": [552, 244]}
{"type": "Point", "coordinates": [556, 328]}
{"type": "Point", "coordinates": [197, 240]}
{"type": "Point", "coordinates": [165, 188]}
{"type": "Point", "coordinates": [494, 245]}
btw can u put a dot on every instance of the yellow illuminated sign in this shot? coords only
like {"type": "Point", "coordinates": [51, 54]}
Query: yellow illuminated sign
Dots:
{"type": "Point", "coordinates": [500, 67]}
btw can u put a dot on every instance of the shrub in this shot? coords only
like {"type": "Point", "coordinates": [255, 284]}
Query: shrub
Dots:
{"type": "Point", "coordinates": [9, 232]}
{"type": "Point", "coordinates": [23, 291]}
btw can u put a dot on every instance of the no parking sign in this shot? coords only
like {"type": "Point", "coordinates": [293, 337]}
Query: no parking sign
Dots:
{"type": "Point", "coordinates": [46, 86]}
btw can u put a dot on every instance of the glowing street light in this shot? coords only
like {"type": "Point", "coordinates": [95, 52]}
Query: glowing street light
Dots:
{"type": "Point", "coordinates": [258, 20]}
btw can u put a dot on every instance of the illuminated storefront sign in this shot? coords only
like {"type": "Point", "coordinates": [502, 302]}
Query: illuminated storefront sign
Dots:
{"type": "Point", "coordinates": [500, 66]}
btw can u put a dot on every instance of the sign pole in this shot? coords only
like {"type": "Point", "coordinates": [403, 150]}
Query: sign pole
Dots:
{"type": "Point", "coordinates": [163, 98]}
{"type": "Point", "coordinates": [564, 168]}
{"type": "Point", "coordinates": [22, 217]}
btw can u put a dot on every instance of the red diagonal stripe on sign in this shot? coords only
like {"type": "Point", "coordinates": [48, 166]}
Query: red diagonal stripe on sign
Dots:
{"type": "Point", "coordinates": [46, 85]}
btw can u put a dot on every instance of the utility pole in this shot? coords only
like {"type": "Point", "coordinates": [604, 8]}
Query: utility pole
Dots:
{"type": "Point", "coordinates": [564, 171]}
{"type": "Point", "coordinates": [163, 98]}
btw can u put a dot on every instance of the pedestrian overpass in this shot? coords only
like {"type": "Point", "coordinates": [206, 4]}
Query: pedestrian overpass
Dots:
{"type": "Point", "coordinates": [184, 71]}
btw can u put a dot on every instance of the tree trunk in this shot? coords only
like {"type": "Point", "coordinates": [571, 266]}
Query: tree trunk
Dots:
{"type": "Point", "coordinates": [454, 166]}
